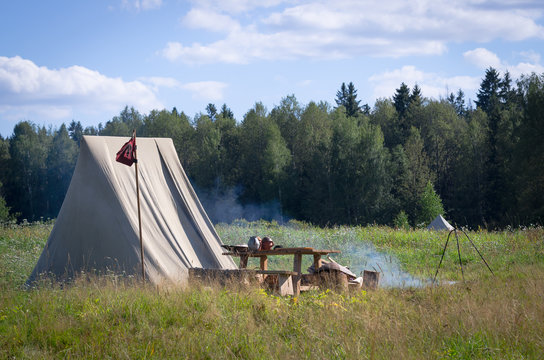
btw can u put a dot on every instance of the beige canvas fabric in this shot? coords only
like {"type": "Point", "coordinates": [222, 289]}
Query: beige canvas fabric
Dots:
{"type": "Point", "coordinates": [97, 226]}
{"type": "Point", "coordinates": [439, 223]}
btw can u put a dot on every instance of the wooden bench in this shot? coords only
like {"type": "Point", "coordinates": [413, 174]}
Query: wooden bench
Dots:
{"type": "Point", "coordinates": [297, 253]}
{"type": "Point", "coordinates": [279, 281]}
{"type": "Point", "coordinates": [222, 276]}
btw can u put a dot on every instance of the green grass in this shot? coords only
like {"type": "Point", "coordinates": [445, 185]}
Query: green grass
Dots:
{"type": "Point", "coordinates": [488, 317]}
{"type": "Point", "coordinates": [20, 247]}
{"type": "Point", "coordinates": [417, 251]}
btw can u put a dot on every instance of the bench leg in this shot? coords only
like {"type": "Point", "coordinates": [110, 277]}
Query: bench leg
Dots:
{"type": "Point", "coordinates": [297, 267]}
{"type": "Point", "coordinates": [285, 285]}
{"type": "Point", "coordinates": [243, 261]}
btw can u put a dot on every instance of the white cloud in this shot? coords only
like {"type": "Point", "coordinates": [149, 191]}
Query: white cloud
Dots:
{"type": "Point", "coordinates": [232, 50]}
{"type": "Point", "coordinates": [24, 85]}
{"type": "Point", "coordinates": [37, 93]}
{"type": "Point", "coordinates": [524, 68]}
{"type": "Point", "coordinates": [206, 90]}
{"type": "Point", "coordinates": [157, 82]}
{"type": "Point", "coordinates": [348, 28]}
{"type": "Point", "coordinates": [209, 20]}
{"type": "Point", "coordinates": [436, 86]}
{"type": "Point", "coordinates": [151, 4]}
{"type": "Point", "coordinates": [245, 46]}
{"type": "Point", "coordinates": [432, 85]}
{"type": "Point", "coordinates": [484, 59]}
{"type": "Point", "coordinates": [237, 6]}
{"type": "Point", "coordinates": [203, 90]}
{"type": "Point", "coordinates": [141, 4]}
{"type": "Point", "coordinates": [531, 56]}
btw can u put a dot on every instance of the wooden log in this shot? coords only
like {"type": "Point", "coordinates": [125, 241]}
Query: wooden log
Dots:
{"type": "Point", "coordinates": [334, 279]}
{"type": "Point", "coordinates": [310, 279]}
{"type": "Point", "coordinates": [341, 281]}
{"type": "Point", "coordinates": [371, 279]}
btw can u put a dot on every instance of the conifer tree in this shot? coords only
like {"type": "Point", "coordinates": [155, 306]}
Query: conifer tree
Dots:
{"type": "Point", "coordinates": [415, 96]}
{"type": "Point", "coordinates": [211, 110]}
{"type": "Point", "coordinates": [401, 99]}
{"type": "Point", "coordinates": [347, 97]}
{"type": "Point", "coordinates": [488, 94]}
{"type": "Point", "coordinates": [76, 131]}
{"type": "Point", "coordinates": [226, 112]}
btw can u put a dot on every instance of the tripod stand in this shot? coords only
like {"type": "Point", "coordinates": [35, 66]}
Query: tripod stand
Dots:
{"type": "Point", "coordinates": [459, 253]}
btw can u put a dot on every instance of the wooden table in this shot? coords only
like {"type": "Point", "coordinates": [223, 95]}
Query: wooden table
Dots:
{"type": "Point", "coordinates": [297, 253]}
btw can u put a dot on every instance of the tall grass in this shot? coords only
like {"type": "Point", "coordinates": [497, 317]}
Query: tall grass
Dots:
{"type": "Point", "coordinates": [487, 317]}
{"type": "Point", "coordinates": [417, 251]}
{"type": "Point", "coordinates": [20, 247]}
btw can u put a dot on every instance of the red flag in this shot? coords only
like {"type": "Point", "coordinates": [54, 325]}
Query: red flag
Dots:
{"type": "Point", "coordinates": [127, 153]}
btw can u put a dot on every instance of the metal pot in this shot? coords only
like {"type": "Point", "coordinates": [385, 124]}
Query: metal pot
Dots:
{"type": "Point", "coordinates": [254, 243]}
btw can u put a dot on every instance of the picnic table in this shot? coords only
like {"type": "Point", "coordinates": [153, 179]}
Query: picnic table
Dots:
{"type": "Point", "coordinates": [297, 253]}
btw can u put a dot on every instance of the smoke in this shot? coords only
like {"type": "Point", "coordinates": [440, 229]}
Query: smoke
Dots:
{"type": "Point", "coordinates": [359, 255]}
{"type": "Point", "coordinates": [363, 256]}
{"type": "Point", "coordinates": [224, 206]}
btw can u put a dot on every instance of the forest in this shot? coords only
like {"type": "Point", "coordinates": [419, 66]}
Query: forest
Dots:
{"type": "Point", "coordinates": [399, 162]}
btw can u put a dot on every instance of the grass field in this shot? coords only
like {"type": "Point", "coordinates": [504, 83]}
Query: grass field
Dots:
{"type": "Point", "coordinates": [486, 317]}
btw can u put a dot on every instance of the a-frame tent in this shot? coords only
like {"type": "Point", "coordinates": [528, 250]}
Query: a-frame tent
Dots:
{"type": "Point", "coordinates": [439, 223]}
{"type": "Point", "coordinates": [97, 226]}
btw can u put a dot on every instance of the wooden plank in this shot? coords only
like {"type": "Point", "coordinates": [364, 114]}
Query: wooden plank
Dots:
{"type": "Point", "coordinates": [223, 277]}
{"type": "Point", "coordinates": [276, 272]}
{"type": "Point", "coordinates": [303, 250]}
{"type": "Point", "coordinates": [308, 287]}
{"type": "Point", "coordinates": [284, 251]}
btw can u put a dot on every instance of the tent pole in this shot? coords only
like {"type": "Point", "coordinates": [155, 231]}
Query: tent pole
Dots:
{"type": "Point", "coordinates": [139, 212]}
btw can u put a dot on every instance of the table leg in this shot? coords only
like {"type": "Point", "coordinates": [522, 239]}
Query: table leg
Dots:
{"type": "Point", "coordinates": [317, 262]}
{"type": "Point", "coordinates": [243, 261]}
{"type": "Point", "coordinates": [264, 262]}
{"type": "Point", "coordinates": [297, 268]}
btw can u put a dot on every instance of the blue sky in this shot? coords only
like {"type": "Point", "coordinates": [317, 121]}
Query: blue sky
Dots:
{"type": "Point", "coordinates": [85, 60]}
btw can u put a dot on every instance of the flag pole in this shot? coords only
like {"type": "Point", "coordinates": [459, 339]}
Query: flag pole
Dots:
{"type": "Point", "coordinates": [138, 201]}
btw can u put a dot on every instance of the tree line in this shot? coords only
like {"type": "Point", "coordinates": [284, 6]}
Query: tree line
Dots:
{"type": "Point", "coordinates": [400, 162]}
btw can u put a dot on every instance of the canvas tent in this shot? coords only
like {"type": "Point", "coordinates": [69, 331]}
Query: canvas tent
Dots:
{"type": "Point", "coordinates": [97, 226]}
{"type": "Point", "coordinates": [439, 223]}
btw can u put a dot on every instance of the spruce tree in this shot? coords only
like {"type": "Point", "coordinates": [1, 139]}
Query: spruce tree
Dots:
{"type": "Point", "coordinates": [488, 94]}
{"type": "Point", "coordinates": [401, 99]}
{"type": "Point", "coordinates": [347, 97]}
{"type": "Point", "coordinates": [211, 110]}
{"type": "Point", "coordinates": [226, 112]}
